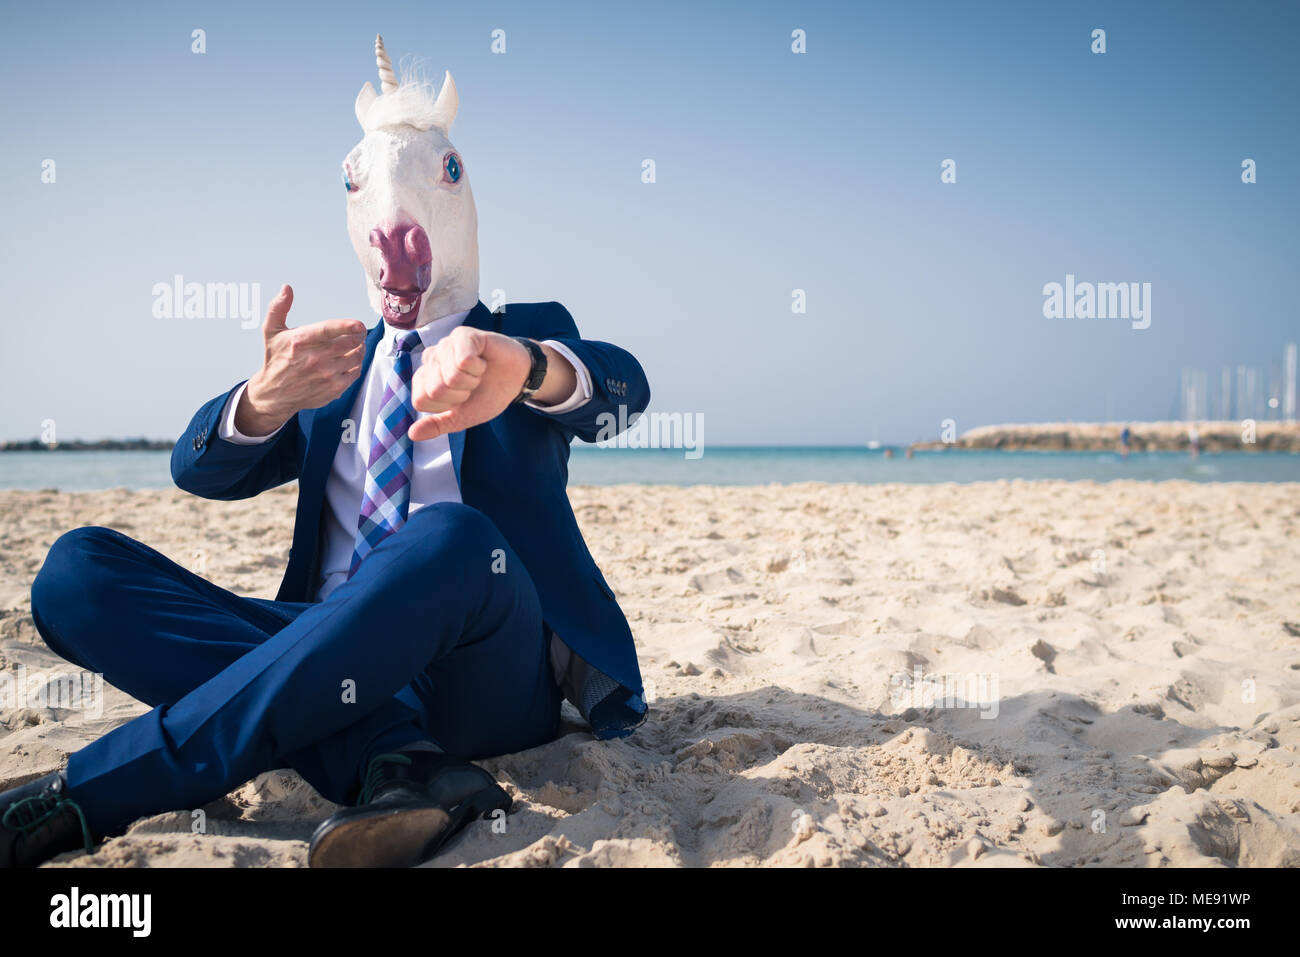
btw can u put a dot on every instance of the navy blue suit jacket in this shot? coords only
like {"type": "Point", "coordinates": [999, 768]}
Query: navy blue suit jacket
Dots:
{"type": "Point", "coordinates": [513, 468]}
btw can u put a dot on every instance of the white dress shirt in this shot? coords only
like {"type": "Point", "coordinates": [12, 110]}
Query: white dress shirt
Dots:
{"type": "Point", "coordinates": [433, 479]}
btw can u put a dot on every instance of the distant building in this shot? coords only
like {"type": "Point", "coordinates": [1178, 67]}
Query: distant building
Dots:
{"type": "Point", "coordinates": [1289, 382]}
{"type": "Point", "coordinates": [1195, 395]}
{"type": "Point", "coordinates": [1242, 392]}
{"type": "Point", "coordinates": [1250, 396]}
{"type": "Point", "coordinates": [1224, 407]}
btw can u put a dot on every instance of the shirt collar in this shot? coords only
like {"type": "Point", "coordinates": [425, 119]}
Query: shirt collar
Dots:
{"type": "Point", "coordinates": [430, 333]}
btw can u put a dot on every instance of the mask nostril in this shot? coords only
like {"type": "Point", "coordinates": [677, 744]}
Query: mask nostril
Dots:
{"type": "Point", "coordinates": [376, 238]}
{"type": "Point", "coordinates": [417, 245]}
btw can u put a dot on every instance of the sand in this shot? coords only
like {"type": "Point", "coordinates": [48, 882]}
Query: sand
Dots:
{"type": "Point", "coordinates": [1123, 662]}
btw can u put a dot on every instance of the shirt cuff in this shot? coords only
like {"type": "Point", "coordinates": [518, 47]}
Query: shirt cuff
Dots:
{"type": "Point", "coordinates": [227, 430]}
{"type": "Point", "coordinates": [581, 391]}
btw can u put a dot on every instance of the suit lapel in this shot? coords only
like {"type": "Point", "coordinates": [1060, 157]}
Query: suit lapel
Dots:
{"type": "Point", "coordinates": [324, 435]}
{"type": "Point", "coordinates": [329, 418]}
{"type": "Point", "coordinates": [321, 427]}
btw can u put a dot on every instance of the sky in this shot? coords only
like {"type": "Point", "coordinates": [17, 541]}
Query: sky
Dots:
{"type": "Point", "coordinates": [775, 171]}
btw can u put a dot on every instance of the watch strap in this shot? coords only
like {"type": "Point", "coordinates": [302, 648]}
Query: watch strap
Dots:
{"type": "Point", "coordinates": [536, 374]}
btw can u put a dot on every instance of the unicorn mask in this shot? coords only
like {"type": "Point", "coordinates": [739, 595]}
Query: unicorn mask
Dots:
{"type": "Point", "coordinates": [411, 214]}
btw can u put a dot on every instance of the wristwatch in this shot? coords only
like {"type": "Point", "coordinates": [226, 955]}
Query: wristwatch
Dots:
{"type": "Point", "coordinates": [537, 374]}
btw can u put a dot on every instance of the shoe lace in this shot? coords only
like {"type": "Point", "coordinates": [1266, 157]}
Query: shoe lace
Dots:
{"type": "Point", "coordinates": [33, 814]}
{"type": "Point", "coordinates": [377, 774]}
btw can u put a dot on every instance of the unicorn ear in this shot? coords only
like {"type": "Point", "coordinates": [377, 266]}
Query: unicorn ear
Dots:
{"type": "Point", "coordinates": [366, 97]}
{"type": "Point", "coordinates": [444, 110]}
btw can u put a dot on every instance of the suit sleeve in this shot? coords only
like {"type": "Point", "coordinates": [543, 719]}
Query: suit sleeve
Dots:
{"type": "Point", "coordinates": [619, 389]}
{"type": "Point", "coordinates": [205, 464]}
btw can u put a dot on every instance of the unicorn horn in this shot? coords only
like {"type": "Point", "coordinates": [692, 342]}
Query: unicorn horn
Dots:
{"type": "Point", "coordinates": [387, 79]}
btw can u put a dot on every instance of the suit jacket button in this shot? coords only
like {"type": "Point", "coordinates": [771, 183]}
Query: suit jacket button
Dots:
{"type": "Point", "coordinates": [198, 443]}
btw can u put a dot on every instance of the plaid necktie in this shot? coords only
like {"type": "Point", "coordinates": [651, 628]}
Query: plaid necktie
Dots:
{"type": "Point", "coordinates": [386, 498]}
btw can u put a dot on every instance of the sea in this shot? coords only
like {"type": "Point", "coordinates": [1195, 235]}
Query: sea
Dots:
{"type": "Point", "coordinates": [734, 465]}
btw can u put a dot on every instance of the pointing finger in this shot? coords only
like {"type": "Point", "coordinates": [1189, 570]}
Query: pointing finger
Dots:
{"type": "Point", "coordinates": [277, 313]}
{"type": "Point", "coordinates": [333, 329]}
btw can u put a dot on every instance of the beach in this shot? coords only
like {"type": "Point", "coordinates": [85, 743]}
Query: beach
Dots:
{"type": "Point", "coordinates": [1003, 673]}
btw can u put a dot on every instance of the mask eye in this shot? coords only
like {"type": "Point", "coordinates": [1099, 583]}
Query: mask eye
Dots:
{"type": "Point", "coordinates": [452, 168]}
{"type": "Point", "coordinates": [350, 186]}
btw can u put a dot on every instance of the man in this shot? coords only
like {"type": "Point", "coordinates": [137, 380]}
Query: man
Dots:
{"type": "Point", "coordinates": [439, 600]}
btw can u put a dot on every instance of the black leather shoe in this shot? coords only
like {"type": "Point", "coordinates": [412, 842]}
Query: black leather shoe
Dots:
{"type": "Point", "coordinates": [411, 805]}
{"type": "Point", "coordinates": [39, 820]}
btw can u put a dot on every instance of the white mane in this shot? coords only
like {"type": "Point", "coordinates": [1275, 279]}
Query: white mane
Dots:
{"type": "Point", "coordinates": [412, 104]}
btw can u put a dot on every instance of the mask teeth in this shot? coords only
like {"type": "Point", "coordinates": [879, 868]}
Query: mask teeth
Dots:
{"type": "Point", "coordinates": [396, 305]}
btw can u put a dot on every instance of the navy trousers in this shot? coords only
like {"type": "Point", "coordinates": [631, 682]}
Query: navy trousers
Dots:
{"type": "Point", "coordinates": [438, 635]}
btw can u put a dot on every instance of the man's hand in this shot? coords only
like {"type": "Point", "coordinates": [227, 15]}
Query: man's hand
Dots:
{"type": "Point", "coordinates": [302, 368]}
{"type": "Point", "coordinates": [472, 376]}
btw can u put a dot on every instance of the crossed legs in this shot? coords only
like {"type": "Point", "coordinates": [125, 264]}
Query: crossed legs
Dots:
{"type": "Point", "coordinates": [438, 635]}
